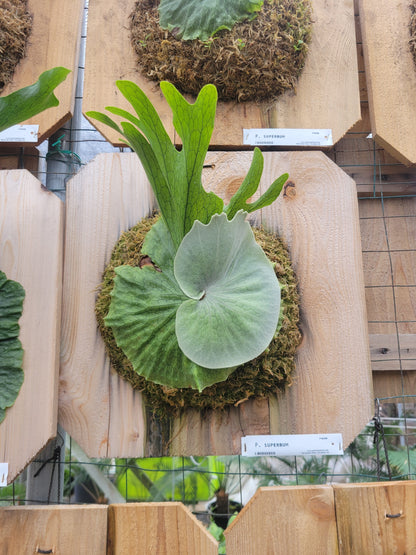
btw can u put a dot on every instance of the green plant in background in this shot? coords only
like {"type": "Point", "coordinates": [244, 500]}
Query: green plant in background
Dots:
{"type": "Point", "coordinates": [201, 19]}
{"type": "Point", "coordinates": [211, 299]}
{"type": "Point", "coordinates": [15, 108]}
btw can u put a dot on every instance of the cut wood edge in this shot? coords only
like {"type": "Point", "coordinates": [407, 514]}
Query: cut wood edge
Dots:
{"type": "Point", "coordinates": [32, 231]}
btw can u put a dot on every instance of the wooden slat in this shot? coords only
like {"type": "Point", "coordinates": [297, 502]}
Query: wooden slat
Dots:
{"type": "Point", "coordinates": [31, 251]}
{"type": "Point", "coordinates": [376, 518]}
{"type": "Point", "coordinates": [157, 529]}
{"type": "Point", "coordinates": [327, 94]}
{"type": "Point", "coordinates": [391, 75]}
{"type": "Point", "coordinates": [106, 198]}
{"type": "Point", "coordinates": [333, 374]}
{"type": "Point", "coordinates": [285, 520]}
{"type": "Point", "coordinates": [318, 218]}
{"type": "Point", "coordinates": [53, 529]}
{"type": "Point", "coordinates": [54, 41]}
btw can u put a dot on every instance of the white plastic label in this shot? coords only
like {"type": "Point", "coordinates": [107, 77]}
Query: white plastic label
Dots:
{"type": "Point", "coordinates": [20, 134]}
{"type": "Point", "coordinates": [287, 137]}
{"type": "Point", "coordinates": [290, 445]}
{"type": "Point", "coordinates": [4, 471]}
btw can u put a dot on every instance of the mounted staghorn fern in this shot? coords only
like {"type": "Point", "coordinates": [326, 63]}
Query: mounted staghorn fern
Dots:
{"type": "Point", "coordinates": [210, 300]}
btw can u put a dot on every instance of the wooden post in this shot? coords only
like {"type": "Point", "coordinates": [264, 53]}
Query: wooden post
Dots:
{"type": "Point", "coordinates": [157, 529]}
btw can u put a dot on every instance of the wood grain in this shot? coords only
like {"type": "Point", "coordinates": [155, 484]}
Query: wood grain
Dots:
{"type": "Point", "coordinates": [332, 391]}
{"type": "Point", "coordinates": [97, 408]}
{"type": "Point", "coordinates": [392, 102]}
{"type": "Point", "coordinates": [327, 94]}
{"type": "Point", "coordinates": [109, 57]}
{"type": "Point", "coordinates": [364, 524]}
{"type": "Point", "coordinates": [54, 41]}
{"type": "Point", "coordinates": [317, 216]}
{"type": "Point", "coordinates": [285, 520]}
{"type": "Point", "coordinates": [53, 529]}
{"type": "Point", "coordinates": [157, 529]}
{"type": "Point", "coordinates": [31, 252]}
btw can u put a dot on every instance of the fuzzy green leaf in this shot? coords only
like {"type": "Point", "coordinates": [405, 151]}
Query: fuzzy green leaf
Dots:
{"type": "Point", "coordinates": [11, 353]}
{"type": "Point", "coordinates": [233, 303]}
{"type": "Point", "coordinates": [249, 187]}
{"type": "Point", "coordinates": [175, 175]}
{"type": "Point", "coordinates": [142, 317]}
{"type": "Point", "coordinates": [29, 101]}
{"type": "Point", "coordinates": [201, 19]}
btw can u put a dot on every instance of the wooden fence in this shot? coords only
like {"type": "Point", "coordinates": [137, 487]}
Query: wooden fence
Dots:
{"type": "Point", "coordinates": [366, 519]}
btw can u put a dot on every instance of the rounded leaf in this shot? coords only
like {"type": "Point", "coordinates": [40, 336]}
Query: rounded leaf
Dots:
{"type": "Point", "coordinates": [142, 317]}
{"type": "Point", "coordinates": [233, 304]}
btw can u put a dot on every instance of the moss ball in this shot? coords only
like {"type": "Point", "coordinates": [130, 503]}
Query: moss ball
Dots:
{"type": "Point", "coordinates": [255, 60]}
{"type": "Point", "coordinates": [261, 377]}
{"type": "Point", "coordinates": [15, 27]}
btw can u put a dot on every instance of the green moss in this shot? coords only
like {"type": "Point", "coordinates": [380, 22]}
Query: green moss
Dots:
{"type": "Point", "coordinates": [261, 377]}
{"type": "Point", "coordinates": [15, 27]}
{"type": "Point", "coordinates": [256, 60]}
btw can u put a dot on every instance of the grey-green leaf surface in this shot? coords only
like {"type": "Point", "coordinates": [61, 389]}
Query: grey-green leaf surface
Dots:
{"type": "Point", "coordinates": [201, 19]}
{"type": "Point", "coordinates": [142, 317]}
{"type": "Point", "coordinates": [233, 303]}
{"type": "Point", "coordinates": [11, 353]}
{"type": "Point", "coordinates": [175, 176]}
{"type": "Point", "coordinates": [30, 101]}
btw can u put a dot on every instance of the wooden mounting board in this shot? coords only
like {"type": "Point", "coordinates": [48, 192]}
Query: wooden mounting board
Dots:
{"type": "Point", "coordinates": [318, 217]}
{"type": "Point", "coordinates": [53, 529]}
{"type": "Point", "coordinates": [391, 76]}
{"type": "Point", "coordinates": [54, 41]}
{"type": "Point", "coordinates": [31, 252]}
{"type": "Point", "coordinates": [327, 95]}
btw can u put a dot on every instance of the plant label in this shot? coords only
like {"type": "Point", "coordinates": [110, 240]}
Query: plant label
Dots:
{"type": "Point", "coordinates": [292, 445]}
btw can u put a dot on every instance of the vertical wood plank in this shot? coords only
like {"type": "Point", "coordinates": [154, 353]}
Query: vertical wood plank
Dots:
{"type": "Point", "coordinates": [376, 518]}
{"type": "Point", "coordinates": [317, 216]}
{"type": "Point", "coordinates": [31, 252]}
{"type": "Point", "coordinates": [285, 520]}
{"type": "Point", "coordinates": [53, 529]}
{"type": "Point", "coordinates": [99, 409]}
{"type": "Point", "coordinates": [391, 75]}
{"type": "Point", "coordinates": [54, 41]}
{"type": "Point", "coordinates": [157, 528]}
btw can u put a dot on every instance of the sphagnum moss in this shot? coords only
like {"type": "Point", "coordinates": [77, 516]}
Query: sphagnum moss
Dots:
{"type": "Point", "coordinates": [261, 377]}
{"type": "Point", "coordinates": [15, 27]}
{"type": "Point", "coordinates": [256, 60]}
